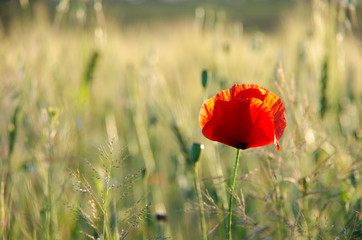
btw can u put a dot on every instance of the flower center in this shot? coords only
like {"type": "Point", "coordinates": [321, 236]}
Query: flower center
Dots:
{"type": "Point", "coordinates": [242, 145]}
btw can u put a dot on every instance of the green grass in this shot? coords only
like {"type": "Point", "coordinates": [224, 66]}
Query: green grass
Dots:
{"type": "Point", "coordinates": [67, 92]}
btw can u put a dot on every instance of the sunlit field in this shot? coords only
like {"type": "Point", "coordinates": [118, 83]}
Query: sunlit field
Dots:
{"type": "Point", "coordinates": [98, 119]}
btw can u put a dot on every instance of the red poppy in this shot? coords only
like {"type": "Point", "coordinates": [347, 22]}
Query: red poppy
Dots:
{"type": "Point", "coordinates": [244, 116]}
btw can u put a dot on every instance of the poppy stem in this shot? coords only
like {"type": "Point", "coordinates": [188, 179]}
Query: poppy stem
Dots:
{"type": "Point", "coordinates": [201, 206]}
{"type": "Point", "coordinates": [232, 192]}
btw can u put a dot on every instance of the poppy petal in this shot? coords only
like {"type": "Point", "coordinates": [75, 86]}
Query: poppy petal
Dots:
{"type": "Point", "coordinates": [245, 116]}
{"type": "Point", "coordinates": [241, 123]}
{"type": "Point", "coordinates": [262, 132]}
{"type": "Point", "coordinates": [230, 122]}
{"type": "Point", "coordinates": [248, 91]}
{"type": "Point", "coordinates": [207, 109]}
{"type": "Point", "coordinates": [276, 105]}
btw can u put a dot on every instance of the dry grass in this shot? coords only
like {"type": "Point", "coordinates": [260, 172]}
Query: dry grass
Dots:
{"type": "Point", "coordinates": [58, 106]}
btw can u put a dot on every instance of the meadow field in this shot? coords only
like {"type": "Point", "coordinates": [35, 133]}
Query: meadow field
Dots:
{"type": "Point", "coordinates": [98, 117]}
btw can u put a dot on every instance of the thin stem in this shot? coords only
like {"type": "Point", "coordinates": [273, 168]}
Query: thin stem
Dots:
{"type": "Point", "coordinates": [106, 231]}
{"type": "Point", "coordinates": [232, 192]}
{"type": "Point", "coordinates": [145, 202]}
{"type": "Point", "coordinates": [198, 192]}
{"type": "Point", "coordinates": [220, 191]}
{"type": "Point", "coordinates": [50, 226]}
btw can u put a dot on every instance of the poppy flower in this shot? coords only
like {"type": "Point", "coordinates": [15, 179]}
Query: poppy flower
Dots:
{"type": "Point", "coordinates": [245, 116]}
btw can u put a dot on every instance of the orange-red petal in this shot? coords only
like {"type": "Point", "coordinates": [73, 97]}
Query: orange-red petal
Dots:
{"type": "Point", "coordinates": [241, 123]}
{"type": "Point", "coordinates": [207, 110]}
{"type": "Point", "coordinates": [274, 103]}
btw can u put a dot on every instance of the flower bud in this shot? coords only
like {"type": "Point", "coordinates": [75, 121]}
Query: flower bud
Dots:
{"type": "Point", "coordinates": [195, 152]}
{"type": "Point", "coordinates": [205, 75]}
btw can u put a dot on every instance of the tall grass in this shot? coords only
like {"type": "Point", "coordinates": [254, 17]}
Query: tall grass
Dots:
{"type": "Point", "coordinates": [65, 91]}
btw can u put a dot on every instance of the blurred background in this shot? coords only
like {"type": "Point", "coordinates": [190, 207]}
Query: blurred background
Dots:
{"type": "Point", "coordinates": [99, 104]}
{"type": "Point", "coordinates": [259, 14]}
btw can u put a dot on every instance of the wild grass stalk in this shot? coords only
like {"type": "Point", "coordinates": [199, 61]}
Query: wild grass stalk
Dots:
{"type": "Point", "coordinates": [145, 191]}
{"type": "Point", "coordinates": [88, 77]}
{"type": "Point", "coordinates": [310, 190]}
{"type": "Point", "coordinates": [2, 209]}
{"type": "Point", "coordinates": [323, 91]}
{"type": "Point", "coordinates": [194, 158]}
{"type": "Point", "coordinates": [220, 190]}
{"type": "Point", "coordinates": [206, 79]}
{"type": "Point", "coordinates": [105, 194]}
{"type": "Point", "coordinates": [7, 175]}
